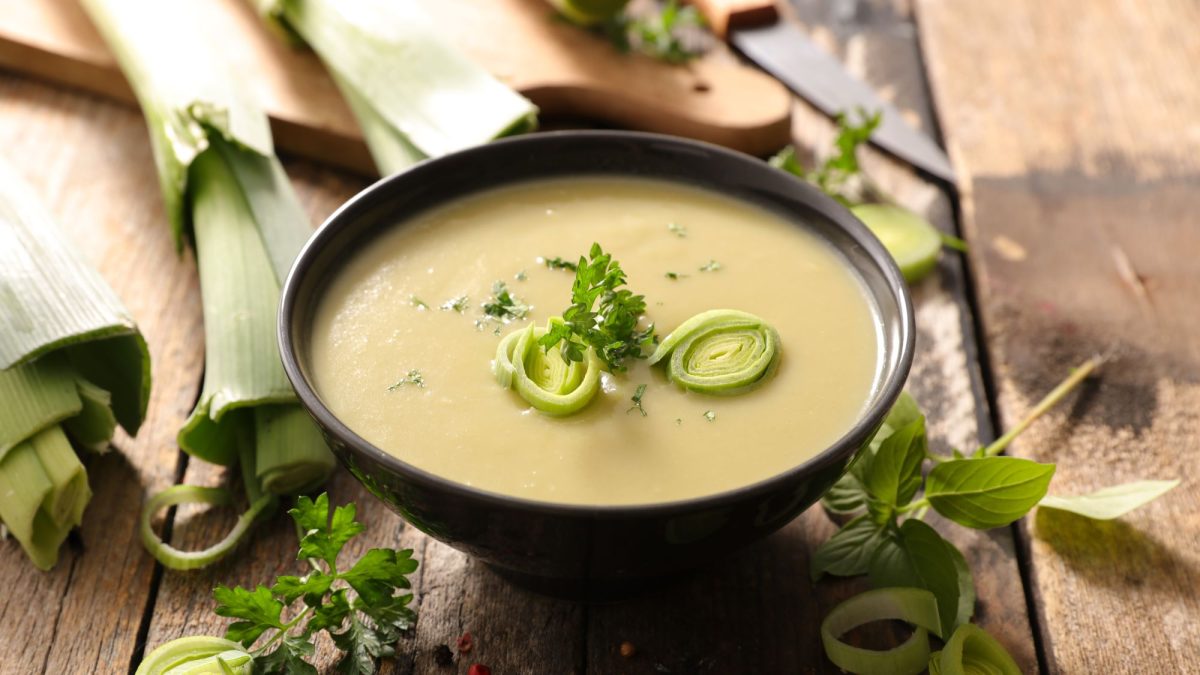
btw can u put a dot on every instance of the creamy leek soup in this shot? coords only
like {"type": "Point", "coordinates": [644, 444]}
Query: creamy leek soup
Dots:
{"type": "Point", "coordinates": [402, 351]}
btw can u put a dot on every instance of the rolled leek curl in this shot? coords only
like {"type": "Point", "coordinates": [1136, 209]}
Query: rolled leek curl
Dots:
{"type": "Point", "coordinates": [968, 651]}
{"type": "Point", "coordinates": [545, 379]}
{"type": "Point", "coordinates": [722, 351]}
{"type": "Point", "coordinates": [198, 655]}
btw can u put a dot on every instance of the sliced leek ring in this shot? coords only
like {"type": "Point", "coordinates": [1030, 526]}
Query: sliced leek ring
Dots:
{"type": "Point", "coordinates": [545, 379]}
{"type": "Point", "coordinates": [721, 351]}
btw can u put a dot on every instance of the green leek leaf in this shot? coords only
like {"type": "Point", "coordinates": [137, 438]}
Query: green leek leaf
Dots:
{"type": "Point", "coordinates": [395, 68]}
{"type": "Point", "coordinates": [912, 605]}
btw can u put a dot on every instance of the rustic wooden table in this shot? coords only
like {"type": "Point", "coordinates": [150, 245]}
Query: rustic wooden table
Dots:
{"type": "Point", "coordinates": [1074, 129]}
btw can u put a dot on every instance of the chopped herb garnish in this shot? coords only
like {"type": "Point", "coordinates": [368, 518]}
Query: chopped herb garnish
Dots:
{"type": "Point", "coordinates": [459, 304]}
{"type": "Point", "coordinates": [414, 377]}
{"type": "Point", "coordinates": [710, 266]}
{"type": "Point", "coordinates": [677, 229]}
{"type": "Point", "coordinates": [502, 306]}
{"type": "Point", "coordinates": [710, 415]}
{"type": "Point", "coordinates": [557, 263]}
{"type": "Point", "coordinates": [678, 421]}
{"type": "Point", "coordinates": [602, 315]}
{"type": "Point", "coordinates": [418, 303]}
{"type": "Point", "coordinates": [521, 276]}
{"type": "Point", "coordinates": [637, 400]}
{"type": "Point", "coordinates": [674, 276]}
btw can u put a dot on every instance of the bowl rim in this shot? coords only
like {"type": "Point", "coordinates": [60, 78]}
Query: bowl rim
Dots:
{"type": "Point", "coordinates": [849, 442]}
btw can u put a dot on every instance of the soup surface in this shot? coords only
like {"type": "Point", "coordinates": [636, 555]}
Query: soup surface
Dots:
{"type": "Point", "coordinates": [412, 301]}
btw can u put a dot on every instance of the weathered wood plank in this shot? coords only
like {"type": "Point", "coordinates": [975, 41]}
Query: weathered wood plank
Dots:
{"type": "Point", "coordinates": [454, 595]}
{"type": "Point", "coordinates": [79, 152]}
{"type": "Point", "coordinates": [1077, 137]}
{"type": "Point", "coordinates": [758, 612]}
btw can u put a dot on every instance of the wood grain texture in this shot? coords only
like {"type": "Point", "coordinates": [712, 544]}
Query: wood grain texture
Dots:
{"type": "Point", "coordinates": [78, 152]}
{"type": "Point", "coordinates": [563, 69]}
{"type": "Point", "coordinates": [757, 611]}
{"type": "Point", "coordinates": [1077, 139]}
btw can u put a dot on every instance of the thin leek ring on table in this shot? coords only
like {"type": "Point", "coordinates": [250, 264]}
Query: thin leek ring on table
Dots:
{"type": "Point", "coordinates": [913, 605]}
{"type": "Point", "coordinates": [190, 654]}
{"type": "Point", "coordinates": [545, 379]}
{"type": "Point", "coordinates": [175, 495]}
{"type": "Point", "coordinates": [971, 651]}
{"type": "Point", "coordinates": [721, 351]}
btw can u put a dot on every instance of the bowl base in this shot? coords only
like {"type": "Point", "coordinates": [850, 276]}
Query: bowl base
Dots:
{"type": "Point", "coordinates": [590, 591]}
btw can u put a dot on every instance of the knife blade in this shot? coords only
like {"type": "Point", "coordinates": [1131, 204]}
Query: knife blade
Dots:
{"type": "Point", "coordinates": [754, 28]}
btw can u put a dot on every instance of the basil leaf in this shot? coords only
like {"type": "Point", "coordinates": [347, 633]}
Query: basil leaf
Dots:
{"type": "Point", "coordinates": [1111, 502]}
{"type": "Point", "coordinates": [848, 552]}
{"type": "Point", "coordinates": [846, 496]}
{"type": "Point", "coordinates": [916, 556]}
{"type": "Point", "coordinates": [904, 411]}
{"type": "Point", "coordinates": [895, 473]}
{"type": "Point", "coordinates": [989, 492]}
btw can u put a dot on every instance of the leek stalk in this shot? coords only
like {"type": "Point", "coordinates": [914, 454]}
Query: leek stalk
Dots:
{"type": "Point", "coordinates": [223, 187]}
{"type": "Point", "coordinates": [72, 367]}
{"type": "Point", "coordinates": [414, 95]}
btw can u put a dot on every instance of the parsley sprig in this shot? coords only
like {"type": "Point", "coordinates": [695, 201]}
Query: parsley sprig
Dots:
{"type": "Point", "coordinates": [659, 34]}
{"type": "Point", "coordinates": [363, 608]}
{"type": "Point", "coordinates": [602, 315]}
{"type": "Point", "coordinates": [839, 175]}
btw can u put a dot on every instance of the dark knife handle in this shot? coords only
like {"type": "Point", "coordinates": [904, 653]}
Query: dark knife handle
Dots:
{"type": "Point", "coordinates": [726, 15]}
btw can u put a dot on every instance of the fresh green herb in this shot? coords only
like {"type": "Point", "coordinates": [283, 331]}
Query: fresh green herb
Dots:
{"type": "Point", "coordinates": [710, 266]}
{"type": "Point", "coordinates": [677, 229]}
{"type": "Point", "coordinates": [710, 416]}
{"type": "Point", "coordinates": [675, 276]}
{"type": "Point", "coordinates": [835, 175]}
{"type": "Point", "coordinates": [888, 540]}
{"type": "Point", "coordinates": [503, 306]}
{"type": "Point", "coordinates": [363, 608]}
{"type": "Point", "coordinates": [678, 421]}
{"type": "Point", "coordinates": [557, 263]}
{"type": "Point", "coordinates": [602, 316]}
{"type": "Point", "coordinates": [414, 377]}
{"type": "Point", "coordinates": [521, 276]}
{"type": "Point", "coordinates": [418, 303]}
{"type": "Point", "coordinates": [459, 304]}
{"type": "Point", "coordinates": [658, 34]}
{"type": "Point", "coordinates": [637, 400]}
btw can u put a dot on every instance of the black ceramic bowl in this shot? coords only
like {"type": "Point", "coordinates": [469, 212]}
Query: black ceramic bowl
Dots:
{"type": "Point", "coordinates": [590, 551]}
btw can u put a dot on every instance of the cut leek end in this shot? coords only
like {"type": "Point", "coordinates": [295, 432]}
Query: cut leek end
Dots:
{"type": "Point", "coordinates": [290, 455]}
{"type": "Point", "coordinates": [545, 379]}
{"type": "Point", "coordinates": [43, 494]}
{"type": "Point", "coordinates": [914, 244]}
{"type": "Point", "coordinates": [197, 655]}
{"type": "Point", "coordinates": [721, 352]}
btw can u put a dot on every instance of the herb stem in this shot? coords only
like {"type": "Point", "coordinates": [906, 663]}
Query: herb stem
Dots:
{"type": "Point", "coordinates": [913, 506]}
{"type": "Point", "coordinates": [279, 634]}
{"type": "Point", "coordinates": [1078, 375]}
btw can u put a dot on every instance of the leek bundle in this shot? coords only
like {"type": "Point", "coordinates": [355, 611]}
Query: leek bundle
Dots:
{"type": "Point", "coordinates": [223, 186]}
{"type": "Point", "coordinates": [72, 367]}
{"type": "Point", "coordinates": [414, 95]}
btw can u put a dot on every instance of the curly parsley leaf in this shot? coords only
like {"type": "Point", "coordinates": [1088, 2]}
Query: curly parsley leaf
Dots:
{"type": "Point", "coordinates": [602, 315]}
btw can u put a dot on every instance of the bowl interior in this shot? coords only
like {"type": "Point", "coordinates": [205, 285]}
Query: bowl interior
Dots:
{"type": "Point", "coordinates": [394, 200]}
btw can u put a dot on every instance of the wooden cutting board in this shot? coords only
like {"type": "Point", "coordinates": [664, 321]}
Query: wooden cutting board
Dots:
{"type": "Point", "coordinates": [566, 71]}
